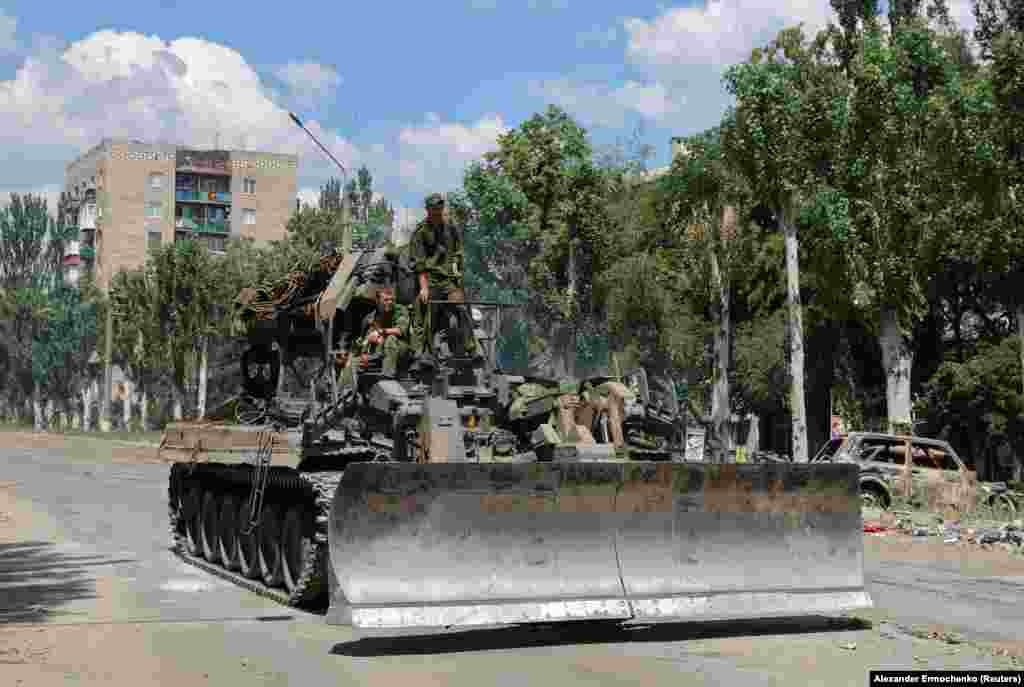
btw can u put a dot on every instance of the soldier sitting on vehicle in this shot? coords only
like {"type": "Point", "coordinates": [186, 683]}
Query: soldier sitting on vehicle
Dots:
{"type": "Point", "coordinates": [385, 330]}
{"type": "Point", "coordinates": [609, 397]}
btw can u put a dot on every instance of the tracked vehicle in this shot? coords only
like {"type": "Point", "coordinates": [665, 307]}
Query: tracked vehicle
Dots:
{"type": "Point", "coordinates": [457, 495]}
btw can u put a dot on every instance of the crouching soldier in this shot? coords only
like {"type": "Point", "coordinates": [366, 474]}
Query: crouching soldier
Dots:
{"type": "Point", "coordinates": [386, 330]}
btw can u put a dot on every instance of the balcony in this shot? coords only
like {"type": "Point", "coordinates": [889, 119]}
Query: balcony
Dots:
{"type": "Point", "coordinates": [201, 227]}
{"type": "Point", "coordinates": [219, 197]}
{"type": "Point", "coordinates": [87, 252]}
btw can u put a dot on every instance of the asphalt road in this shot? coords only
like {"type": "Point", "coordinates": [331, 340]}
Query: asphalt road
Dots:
{"type": "Point", "coordinates": [88, 566]}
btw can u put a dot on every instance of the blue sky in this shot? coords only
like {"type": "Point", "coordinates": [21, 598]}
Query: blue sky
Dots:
{"type": "Point", "coordinates": [413, 90]}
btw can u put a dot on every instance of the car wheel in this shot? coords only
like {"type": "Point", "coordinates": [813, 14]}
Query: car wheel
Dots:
{"type": "Point", "coordinates": [873, 496]}
{"type": "Point", "coordinates": [1003, 507]}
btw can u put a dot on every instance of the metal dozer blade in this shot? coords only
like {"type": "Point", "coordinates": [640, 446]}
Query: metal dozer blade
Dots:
{"type": "Point", "coordinates": [421, 548]}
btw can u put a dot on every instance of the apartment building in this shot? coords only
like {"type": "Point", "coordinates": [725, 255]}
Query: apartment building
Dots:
{"type": "Point", "coordinates": [130, 197]}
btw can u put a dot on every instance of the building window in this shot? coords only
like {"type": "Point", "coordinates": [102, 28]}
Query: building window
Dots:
{"type": "Point", "coordinates": [217, 243]}
{"type": "Point", "coordinates": [248, 185]}
{"type": "Point", "coordinates": [248, 216]}
{"type": "Point", "coordinates": [153, 210]}
{"type": "Point", "coordinates": [153, 239]}
{"type": "Point", "coordinates": [156, 180]}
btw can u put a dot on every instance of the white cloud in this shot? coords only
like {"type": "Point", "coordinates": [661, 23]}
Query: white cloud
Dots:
{"type": "Point", "coordinates": [679, 56]}
{"type": "Point", "coordinates": [64, 99]}
{"type": "Point", "coordinates": [8, 26]}
{"type": "Point", "coordinates": [433, 156]}
{"type": "Point", "coordinates": [309, 81]}
{"type": "Point", "coordinates": [720, 33]}
{"type": "Point", "coordinates": [599, 104]}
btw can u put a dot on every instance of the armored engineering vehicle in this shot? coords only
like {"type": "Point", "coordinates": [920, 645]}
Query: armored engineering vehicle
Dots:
{"type": "Point", "coordinates": [458, 495]}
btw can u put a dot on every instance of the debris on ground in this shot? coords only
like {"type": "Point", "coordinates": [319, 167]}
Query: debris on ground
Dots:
{"type": "Point", "coordinates": [922, 527]}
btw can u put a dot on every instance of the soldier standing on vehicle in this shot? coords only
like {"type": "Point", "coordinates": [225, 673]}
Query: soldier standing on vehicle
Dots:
{"type": "Point", "coordinates": [436, 249]}
{"type": "Point", "coordinates": [386, 331]}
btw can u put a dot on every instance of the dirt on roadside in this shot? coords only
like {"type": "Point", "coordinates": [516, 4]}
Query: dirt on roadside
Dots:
{"type": "Point", "coordinates": [106, 450]}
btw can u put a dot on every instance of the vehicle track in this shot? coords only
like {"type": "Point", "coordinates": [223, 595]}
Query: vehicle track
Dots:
{"type": "Point", "coordinates": [286, 488]}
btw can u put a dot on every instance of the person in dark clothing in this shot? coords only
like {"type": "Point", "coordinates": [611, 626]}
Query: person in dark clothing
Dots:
{"type": "Point", "coordinates": [437, 254]}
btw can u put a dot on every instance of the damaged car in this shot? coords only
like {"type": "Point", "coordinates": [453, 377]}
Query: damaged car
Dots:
{"type": "Point", "coordinates": [922, 472]}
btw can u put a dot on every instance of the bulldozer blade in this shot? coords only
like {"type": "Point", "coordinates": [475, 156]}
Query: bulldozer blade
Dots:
{"type": "Point", "coordinates": [728, 541]}
{"type": "Point", "coordinates": [429, 547]}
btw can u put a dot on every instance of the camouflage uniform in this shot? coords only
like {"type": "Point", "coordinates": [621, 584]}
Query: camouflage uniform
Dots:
{"type": "Point", "coordinates": [392, 346]}
{"type": "Point", "coordinates": [437, 251]}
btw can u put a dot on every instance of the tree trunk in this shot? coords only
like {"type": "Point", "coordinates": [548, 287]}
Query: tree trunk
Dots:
{"type": "Point", "coordinates": [203, 360]}
{"type": "Point", "coordinates": [720, 415]}
{"type": "Point", "coordinates": [798, 408]}
{"type": "Point", "coordinates": [107, 374]}
{"type": "Point", "coordinates": [753, 443]}
{"type": "Point", "coordinates": [570, 361]}
{"type": "Point", "coordinates": [49, 410]}
{"type": "Point", "coordinates": [85, 409]}
{"type": "Point", "coordinates": [127, 408]}
{"type": "Point", "coordinates": [178, 393]}
{"type": "Point", "coordinates": [144, 409]}
{"type": "Point", "coordinates": [898, 359]}
{"type": "Point", "coordinates": [37, 412]}
{"type": "Point", "coordinates": [1020, 336]}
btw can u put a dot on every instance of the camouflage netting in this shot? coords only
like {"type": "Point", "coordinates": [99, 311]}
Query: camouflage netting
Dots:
{"type": "Point", "coordinates": [262, 301]}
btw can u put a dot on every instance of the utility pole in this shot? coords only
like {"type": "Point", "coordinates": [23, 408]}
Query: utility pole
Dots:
{"type": "Point", "coordinates": [108, 349]}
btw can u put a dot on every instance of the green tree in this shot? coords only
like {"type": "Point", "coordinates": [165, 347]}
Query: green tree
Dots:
{"type": "Point", "coordinates": [977, 406]}
{"type": "Point", "coordinates": [311, 230]}
{"type": "Point", "coordinates": [708, 203]}
{"type": "Point", "coordinates": [550, 160]}
{"type": "Point", "coordinates": [330, 195]}
{"type": "Point", "coordinates": [188, 297]}
{"type": "Point", "coordinates": [1008, 92]}
{"type": "Point", "coordinates": [364, 184]}
{"type": "Point", "coordinates": [906, 197]}
{"type": "Point", "coordinates": [994, 19]}
{"type": "Point", "coordinates": [26, 277]}
{"type": "Point", "coordinates": [492, 212]}
{"type": "Point", "coordinates": [791, 110]}
{"type": "Point", "coordinates": [63, 344]}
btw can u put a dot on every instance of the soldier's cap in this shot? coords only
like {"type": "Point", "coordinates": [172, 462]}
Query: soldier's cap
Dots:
{"type": "Point", "coordinates": [435, 200]}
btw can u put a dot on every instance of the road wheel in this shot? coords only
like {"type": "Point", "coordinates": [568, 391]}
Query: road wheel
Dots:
{"type": "Point", "coordinates": [227, 545]}
{"type": "Point", "coordinates": [270, 546]}
{"type": "Point", "coordinates": [296, 545]}
{"type": "Point", "coordinates": [247, 546]}
{"type": "Point", "coordinates": [1003, 507]}
{"type": "Point", "coordinates": [209, 534]}
{"type": "Point", "coordinates": [872, 496]}
{"type": "Point", "coordinates": [190, 514]}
